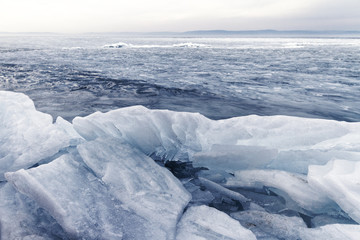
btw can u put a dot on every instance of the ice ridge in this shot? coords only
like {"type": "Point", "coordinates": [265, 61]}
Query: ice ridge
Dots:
{"type": "Point", "coordinates": [177, 45]}
{"type": "Point", "coordinates": [107, 175]}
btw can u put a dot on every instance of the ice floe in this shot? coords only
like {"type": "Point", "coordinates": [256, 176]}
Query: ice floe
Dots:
{"type": "Point", "coordinates": [177, 45]}
{"type": "Point", "coordinates": [116, 45]}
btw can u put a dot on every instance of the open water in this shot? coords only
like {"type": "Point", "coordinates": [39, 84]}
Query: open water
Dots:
{"type": "Point", "coordinates": [220, 77]}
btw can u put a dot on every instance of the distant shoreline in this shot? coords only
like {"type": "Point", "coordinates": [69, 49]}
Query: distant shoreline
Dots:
{"type": "Point", "coordinates": [214, 33]}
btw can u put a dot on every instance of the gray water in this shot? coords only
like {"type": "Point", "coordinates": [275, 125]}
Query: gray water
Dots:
{"type": "Point", "coordinates": [75, 75]}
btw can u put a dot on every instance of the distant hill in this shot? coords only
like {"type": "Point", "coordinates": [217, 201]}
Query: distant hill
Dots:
{"type": "Point", "coordinates": [215, 33]}
{"type": "Point", "coordinates": [272, 32]}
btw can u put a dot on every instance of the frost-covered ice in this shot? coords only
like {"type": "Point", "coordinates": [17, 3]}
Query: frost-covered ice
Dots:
{"type": "Point", "coordinates": [97, 177]}
{"type": "Point", "coordinates": [203, 222]}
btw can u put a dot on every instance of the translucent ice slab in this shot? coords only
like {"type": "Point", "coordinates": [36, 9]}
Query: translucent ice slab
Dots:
{"type": "Point", "coordinates": [26, 135]}
{"type": "Point", "coordinates": [275, 142]}
{"type": "Point", "coordinates": [22, 218]}
{"type": "Point", "coordinates": [270, 226]}
{"type": "Point", "coordinates": [339, 179]}
{"type": "Point", "coordinates": [80, 202]}
{"type": "Point", "coordinates": [142, 186]}
{"type": "Point", "coordinates": [203, 222]}
{"type": "Point", "coordinates": [293, 187]}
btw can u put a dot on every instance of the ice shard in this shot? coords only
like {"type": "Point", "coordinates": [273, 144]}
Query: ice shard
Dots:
{"type": "Point", "coordinates": [142, 186]}
{"type": "Point", "coordinates": [340, 181]}
{"type": "Point", "coordinates": [270, 226]}
{"type": "Point", "coordinates": [202, 222]}
{"type": "Point", "coordinates": [22, 218]}
{"type": "Point", "coordinates": [80, 202]}
{"type": "Point", "coordinates": [293, 187]}
{"type": "Point", "coordinates": [26, 135]}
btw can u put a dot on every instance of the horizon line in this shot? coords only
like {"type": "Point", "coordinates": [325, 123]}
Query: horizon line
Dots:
{"type": "Point", "coordinates": [200, 31]}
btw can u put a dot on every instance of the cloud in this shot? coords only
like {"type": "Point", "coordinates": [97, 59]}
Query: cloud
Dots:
{"type": "Point", "coordinates": [171, 15]}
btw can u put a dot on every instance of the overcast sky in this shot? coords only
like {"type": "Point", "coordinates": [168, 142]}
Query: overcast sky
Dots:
{"type": "Point", "coordinates": [180, 15]}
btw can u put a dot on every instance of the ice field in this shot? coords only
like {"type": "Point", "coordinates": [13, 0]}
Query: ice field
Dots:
{"type": "Point", "coordinates": [109, 175]}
